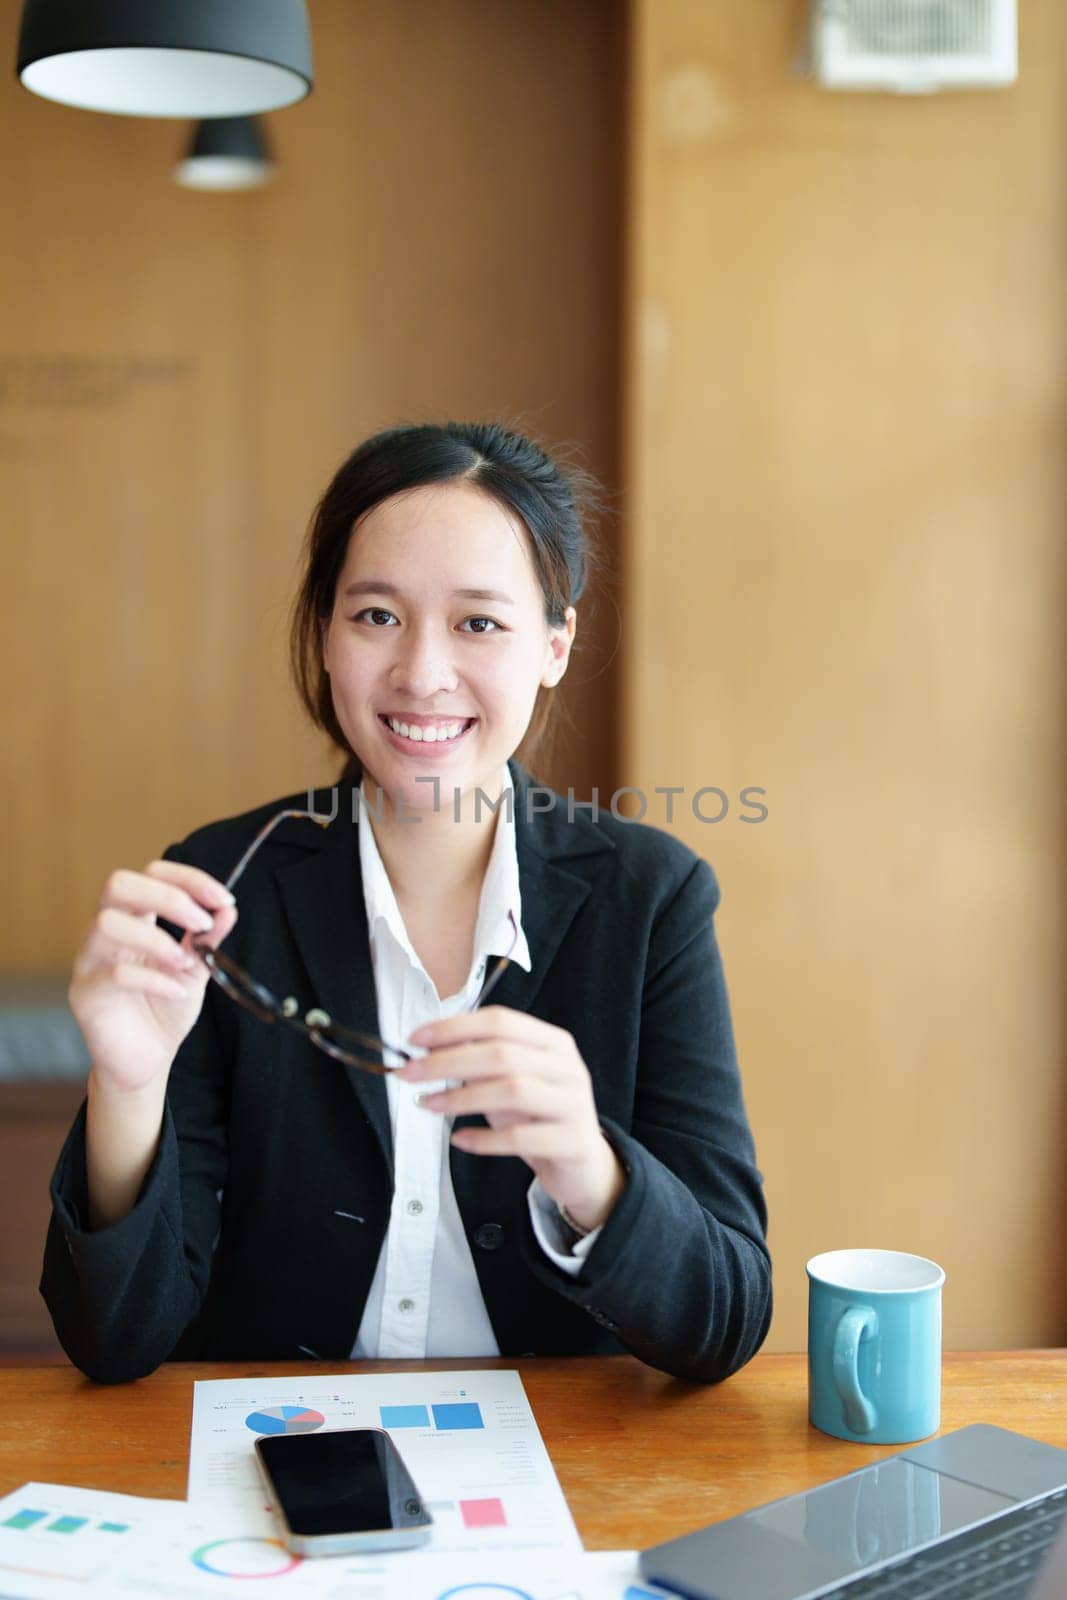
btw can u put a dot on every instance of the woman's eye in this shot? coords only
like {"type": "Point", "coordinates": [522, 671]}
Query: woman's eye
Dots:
{"type": "Point", "coordinates": [374, 614]}
{"type": "Point", "coordinates": [379, 617]}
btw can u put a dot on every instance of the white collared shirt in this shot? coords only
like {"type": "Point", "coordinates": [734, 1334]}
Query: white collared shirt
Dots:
{"type": "Point", "coordinates": [425, 1298]}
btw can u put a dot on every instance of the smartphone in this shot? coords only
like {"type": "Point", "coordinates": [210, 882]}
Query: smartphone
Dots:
{"type": "Point", "coordinates": [335, 1493]}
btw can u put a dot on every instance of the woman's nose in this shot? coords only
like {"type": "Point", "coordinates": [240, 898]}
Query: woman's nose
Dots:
{"type": "Point", "coordinates": [423, 665]}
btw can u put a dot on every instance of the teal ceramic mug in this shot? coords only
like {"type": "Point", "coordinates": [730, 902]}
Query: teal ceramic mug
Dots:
{"type": "Point", "coordinates": [874, 1345]}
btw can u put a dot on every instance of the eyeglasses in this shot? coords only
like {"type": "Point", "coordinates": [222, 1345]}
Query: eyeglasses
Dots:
{"type": "Point", "coordinates": [344, 1044]}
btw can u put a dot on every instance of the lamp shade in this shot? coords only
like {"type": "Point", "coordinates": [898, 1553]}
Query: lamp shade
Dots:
{"type": "Point", "coordinates": [226, 153]}
{"type": "Point", "coordinates": [167, 58]}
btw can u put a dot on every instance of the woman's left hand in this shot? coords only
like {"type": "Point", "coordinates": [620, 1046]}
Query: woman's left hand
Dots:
{"type": "Point", "coordinates": [527, 1078]}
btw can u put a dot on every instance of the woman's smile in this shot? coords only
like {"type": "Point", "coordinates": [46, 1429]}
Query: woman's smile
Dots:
{"type": "Point", "coordinates": [416, 736]}
{"type": "Point", "coordinates": [410, 647]}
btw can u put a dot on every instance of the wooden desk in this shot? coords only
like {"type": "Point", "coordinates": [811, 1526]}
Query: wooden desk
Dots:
{"type": "Point", "coordinates": [641, 1456]}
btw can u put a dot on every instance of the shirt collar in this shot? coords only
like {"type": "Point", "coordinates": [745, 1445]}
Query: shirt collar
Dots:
{"type": "Point", "coordinates": [500, 887]}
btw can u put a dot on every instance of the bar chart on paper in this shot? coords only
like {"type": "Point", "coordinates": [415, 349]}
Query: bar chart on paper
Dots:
{"type": "Point", "coordinates": [469, 1439]}
{"type": "Point", "coordinates": [56, 1541]}
{"type": "Point", "coordinates": [170, 1550]}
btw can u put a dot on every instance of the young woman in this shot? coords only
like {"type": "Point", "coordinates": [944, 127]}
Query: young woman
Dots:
{"type": "Point", "coordinates": [563, 1166]}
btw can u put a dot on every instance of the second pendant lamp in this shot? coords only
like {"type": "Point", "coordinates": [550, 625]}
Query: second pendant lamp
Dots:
{"type": "Point", "coordinates": [226, 153]}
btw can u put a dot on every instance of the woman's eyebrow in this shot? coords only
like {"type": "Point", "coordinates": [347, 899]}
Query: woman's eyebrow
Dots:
{"type": "Point", "coordinates": [379, 586]}
{"type": "Point", "coordinates": [483, 594]}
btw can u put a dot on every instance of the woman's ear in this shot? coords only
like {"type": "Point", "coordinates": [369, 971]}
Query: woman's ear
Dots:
{"type": "Point", "coordinates": [559, 648]}
{"type": "Point", "coordinates": [324, 645]}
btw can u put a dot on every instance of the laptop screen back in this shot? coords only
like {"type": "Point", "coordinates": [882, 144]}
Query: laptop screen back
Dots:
{"type": "Point", "coordinates": [873, 1516]}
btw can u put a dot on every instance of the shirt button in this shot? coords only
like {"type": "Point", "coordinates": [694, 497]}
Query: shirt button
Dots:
{"type": "Point", "coordinates": [405, 1305]}
{"type": "Point", "coordinates": [490, 1236]}
{"type": "Point", "coordinates": [414, 1208]}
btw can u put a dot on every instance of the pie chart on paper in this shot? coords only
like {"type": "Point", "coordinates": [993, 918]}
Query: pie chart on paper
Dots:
{"type": "Point", "coordinates": [284, 1419]}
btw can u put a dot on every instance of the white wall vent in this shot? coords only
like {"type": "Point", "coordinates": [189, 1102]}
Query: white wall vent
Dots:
{"type": "Point", "coordinates": [914, 46]}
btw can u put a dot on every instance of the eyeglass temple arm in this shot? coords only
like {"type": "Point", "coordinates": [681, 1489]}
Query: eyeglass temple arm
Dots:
{"type": "Point", "coordinates": [494, 977]}
{"type": "Point", "coordinates": [501, 964]}
{"type": "Point", "coordinates": [313, 816]}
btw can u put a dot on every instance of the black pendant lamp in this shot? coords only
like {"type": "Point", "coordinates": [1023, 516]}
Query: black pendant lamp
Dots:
{"type": "Point", "coordinates": [226, 153]}
{"type": "Point", "coordinates": [167, 58]}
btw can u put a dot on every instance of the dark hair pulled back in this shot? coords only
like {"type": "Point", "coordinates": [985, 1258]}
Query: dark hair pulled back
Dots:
{"type": "Point", "coordinates": [554, 501]}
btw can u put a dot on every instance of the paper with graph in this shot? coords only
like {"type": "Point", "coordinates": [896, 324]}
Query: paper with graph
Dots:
{"type": "Point", "coordinates": [470, 1441]}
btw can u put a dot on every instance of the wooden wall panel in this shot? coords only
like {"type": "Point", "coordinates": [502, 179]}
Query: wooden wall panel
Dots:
{"type": "Point", "coordinates": [442, 240]}
{"type": "Point", "coordinates": [845, 580]}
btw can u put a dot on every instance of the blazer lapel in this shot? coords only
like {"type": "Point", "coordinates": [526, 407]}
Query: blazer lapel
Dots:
{"type": "Point", "coordinates": [323, 899]}
{"type": "Point", "coordinates": [551, 897]}
{"type": "Point", "coordinates": [551, 894]}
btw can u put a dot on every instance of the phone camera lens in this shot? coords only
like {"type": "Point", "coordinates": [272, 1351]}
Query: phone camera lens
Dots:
{"type": "Point", "coordinates": [412, 1507]}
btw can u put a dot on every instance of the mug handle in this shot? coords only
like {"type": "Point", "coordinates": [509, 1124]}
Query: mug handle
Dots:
{"type": "Point", "coordinates": [857, 1324]}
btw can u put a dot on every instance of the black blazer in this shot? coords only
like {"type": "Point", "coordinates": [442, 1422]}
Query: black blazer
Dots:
{"type": "Point", "coordinates": [258, 1228]}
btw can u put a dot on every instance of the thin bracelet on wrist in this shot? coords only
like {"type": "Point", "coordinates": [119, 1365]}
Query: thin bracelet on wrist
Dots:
{"type": "Point", "coordinates": [575, 1227]}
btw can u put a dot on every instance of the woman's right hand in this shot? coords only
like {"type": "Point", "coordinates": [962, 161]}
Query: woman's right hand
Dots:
{"type": "Point", "coordinates": [135, 992]}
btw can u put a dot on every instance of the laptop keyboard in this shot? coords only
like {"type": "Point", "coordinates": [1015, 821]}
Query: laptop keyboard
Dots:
{"type": "Point", "coordinates": [996, 1561]}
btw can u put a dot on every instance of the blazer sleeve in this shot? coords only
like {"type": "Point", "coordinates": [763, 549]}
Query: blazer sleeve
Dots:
{"type": "Point", "coordinates": [681, 1272]}
{"type": "Point", "coordinates": [122, 1296]}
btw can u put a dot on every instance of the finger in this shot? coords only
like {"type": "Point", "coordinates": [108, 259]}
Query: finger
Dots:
{"type": "Point", "coordinates": [146, 980]}
{"type": "Point", "coordinates": [201, 885]}
{"type": "Point", "coordinates": [222, 925]}
{"type": "Point", "coordinates": [489, 1022]}
{"type": "Point", "coordinates": [116, 934]}
{"type": "Point", "coordinates": [529, 1099]}
{"type": "Point", "coordinates": [138, 892]}
{"type": "Point", "coordinates": [489, 1058]}
{"type": "Point", "coordinates": [531, 1141]}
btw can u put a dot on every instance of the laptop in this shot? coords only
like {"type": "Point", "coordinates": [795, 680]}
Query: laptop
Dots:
{"type": "Point", "coordinates": [977, 1513]}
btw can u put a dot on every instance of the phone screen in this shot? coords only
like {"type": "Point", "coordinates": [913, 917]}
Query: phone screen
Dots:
{"type": "Point", "coordinates": [352, 1481]}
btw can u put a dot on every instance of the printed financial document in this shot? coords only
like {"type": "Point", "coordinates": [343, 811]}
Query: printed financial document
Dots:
{"type": "Point", "coordinates": [469, 1439]}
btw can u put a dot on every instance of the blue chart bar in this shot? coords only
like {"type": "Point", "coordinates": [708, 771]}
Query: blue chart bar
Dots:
{"type": "Point", "coordinates": [67, 1524]}
{"type": "Point", "coordinates": [25, 1519]}
{"type": "Point", "coordinates": [404, 1416]}
{"type": "Point", "coordinates": [466, 1415]}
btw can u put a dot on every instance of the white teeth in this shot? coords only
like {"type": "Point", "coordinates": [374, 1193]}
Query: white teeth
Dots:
{"type": "Point", "coordinates": [437, 734]}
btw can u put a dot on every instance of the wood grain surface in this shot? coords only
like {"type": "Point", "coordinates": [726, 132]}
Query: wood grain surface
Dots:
{"type": "Point", "coordinates": [845, 573]}
{"type": "Point", "coordinates": [641, 1456]}
{"type": "Point", "coordinates": [181, 373]}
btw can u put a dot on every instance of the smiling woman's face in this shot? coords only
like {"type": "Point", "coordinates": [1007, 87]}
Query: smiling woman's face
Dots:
{"type": "Point", "coordinates": [437, 643]}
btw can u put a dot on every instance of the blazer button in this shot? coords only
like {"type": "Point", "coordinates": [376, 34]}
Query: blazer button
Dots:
{"type": "Point", "coordinates": [489, 1236]}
